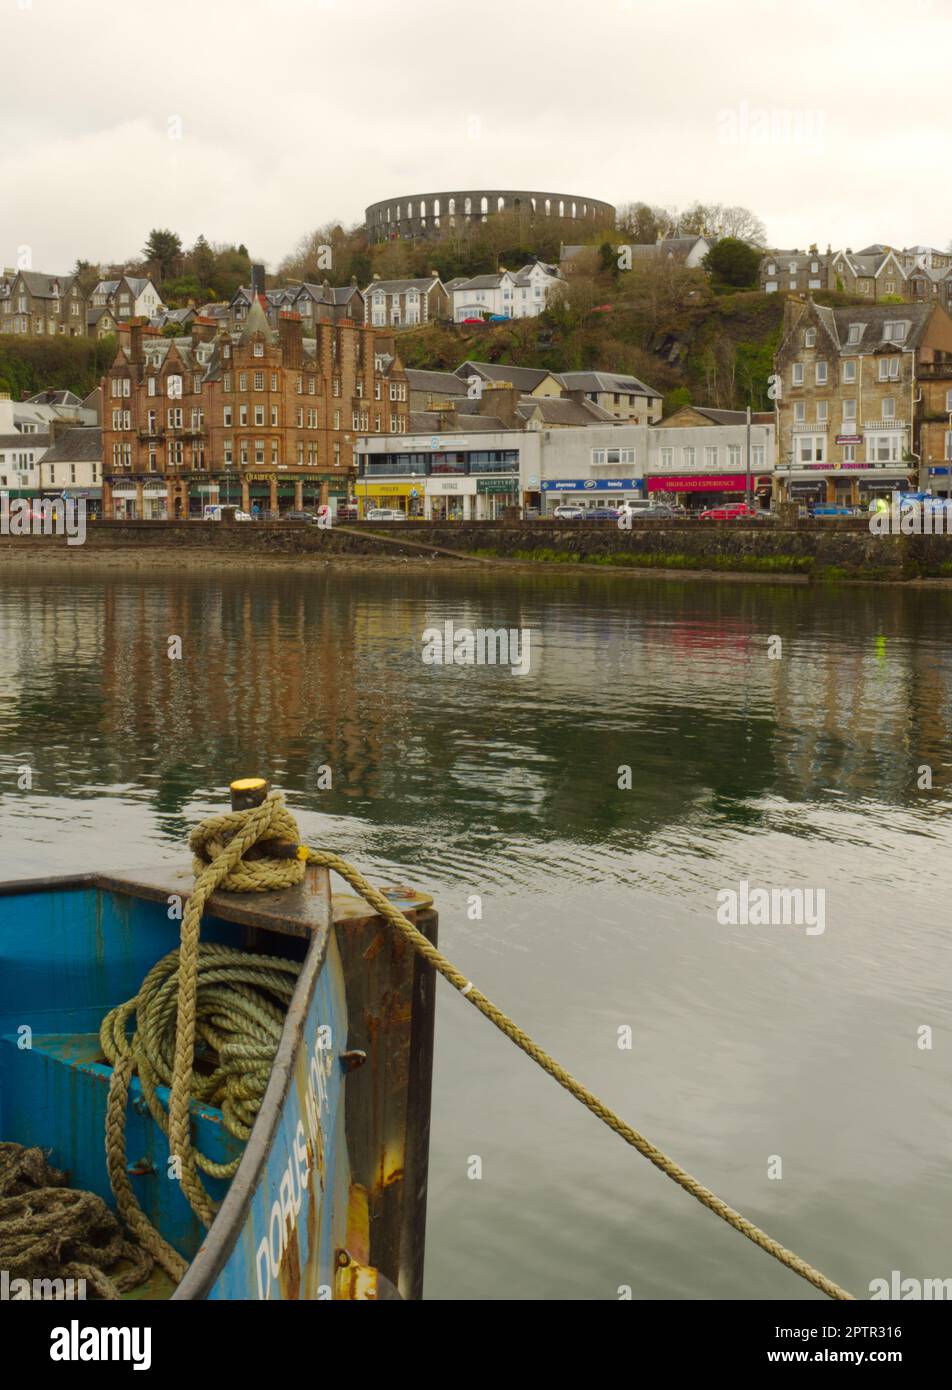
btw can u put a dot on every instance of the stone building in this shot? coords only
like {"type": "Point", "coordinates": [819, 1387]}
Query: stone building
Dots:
{"type": "Point", "coordinates": [860, 393]}
{"type": "Point", "coordinates": [265, 418]}
{"type": "Point", "coordinates": [405, 303]}
{"type": "Point", "coordinates": [37, 306]}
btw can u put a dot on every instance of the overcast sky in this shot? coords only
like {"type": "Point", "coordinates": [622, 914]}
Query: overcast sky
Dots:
{"type": "Point", "coordinates": [256, 122]}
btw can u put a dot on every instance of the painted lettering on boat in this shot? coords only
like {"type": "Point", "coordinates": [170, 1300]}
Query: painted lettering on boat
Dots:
{"type": "Point", "coordinates": [294, 1187]}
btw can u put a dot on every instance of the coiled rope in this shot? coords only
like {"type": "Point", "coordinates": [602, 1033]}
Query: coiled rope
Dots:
{"type": "Point", "coordinates": [229, 1001]}
{"type": "Point", "coordinates": [219, 845]}
{"type": "Point", "coordinates": [49, 1230]}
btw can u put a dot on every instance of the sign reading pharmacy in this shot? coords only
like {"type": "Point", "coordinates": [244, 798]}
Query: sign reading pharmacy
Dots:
{"type": "Point", "coordinates": [591, 484]}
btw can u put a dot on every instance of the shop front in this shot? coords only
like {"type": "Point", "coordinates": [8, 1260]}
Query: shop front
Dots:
{"type": "Point", "coordinates": [841, 484]}
{"type": "Point", "coordinates": [494, 495]}
{"type": "Point", "coordinates": [589, 492]}
{"type": "Point", "coordinates": [450, 499]}
{"type": "Point", "coordinates": [696, 491]}
{"type": "Point", "coordinates": [407, 496]}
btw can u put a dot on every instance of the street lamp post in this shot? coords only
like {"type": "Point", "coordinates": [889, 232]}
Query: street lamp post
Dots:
{"type": "Point", "coordinates": [747, 480]}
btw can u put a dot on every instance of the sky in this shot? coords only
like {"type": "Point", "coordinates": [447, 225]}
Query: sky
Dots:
{"type": "Point", "coordinates": [256, 123]}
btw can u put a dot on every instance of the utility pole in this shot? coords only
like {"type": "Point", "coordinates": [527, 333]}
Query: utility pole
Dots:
{"type": "Point", "coordinates": [747, 483]}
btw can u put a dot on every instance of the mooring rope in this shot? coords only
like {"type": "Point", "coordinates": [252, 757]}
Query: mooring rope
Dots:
{"type": "Point", "coordinates": [49, 1230]}
{"type": "Point", "coordinates": [219, 845]}
{"type": "Point", "coordinates": [271, 820]}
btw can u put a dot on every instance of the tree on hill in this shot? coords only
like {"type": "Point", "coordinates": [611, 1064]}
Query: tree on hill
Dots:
{"type": "Point", "coordinates": [164, 248]}
{"type": "Point", "coordinates": [732, 262]}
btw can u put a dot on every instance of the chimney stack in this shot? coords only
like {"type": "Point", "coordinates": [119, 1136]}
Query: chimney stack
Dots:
{"type": "Point", "coordinates": [291, 338]}
{"type": "Point", "coordinates": [203, 329]}
{"type": "Point", "coordinates": [136, 351]}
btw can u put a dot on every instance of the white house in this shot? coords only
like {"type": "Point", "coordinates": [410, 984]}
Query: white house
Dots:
{"type": "Point", "coordinates": [24, 439]}
{"type": "Point", "coordinates": [510, 294]}
{"type": "Point", "coordinates": [131, 296]}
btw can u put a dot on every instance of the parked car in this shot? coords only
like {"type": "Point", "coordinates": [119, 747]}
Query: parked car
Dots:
{"type": "Point", "coordinates": [602, 514]}
{"type": "Point", "coordinates": [568, 511]}
{"type": "Point", "coordinates": [213, 511]}
{"type": "Point", "coordinates": [660, 510]}
{"type": "Point", "coordinates": [385, 514]}
{"type": "Point", "coordinates": [298, 516]}
{"type": "Point", "coordinates": [730, 511]}
{"type": "Point", "coordinates": [829, 509]}
{"type": "Point", "coordinates": [472, 320]}
{"type": "Point", "coordinates": [348, 511]}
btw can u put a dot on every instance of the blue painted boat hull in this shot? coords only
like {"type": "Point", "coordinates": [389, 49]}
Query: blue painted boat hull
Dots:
{"type": "Point", "coordinates": [329, 1197]}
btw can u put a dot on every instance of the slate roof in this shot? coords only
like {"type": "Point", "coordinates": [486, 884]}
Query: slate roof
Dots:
{"type": "Point", "coordinates": [446, 382]}
{"type": "Point", "coordinates": [562, 411]}
{"type": "Point", "coordinates": [873, 317]}
{"type": "Point", "coordinates": [81, 444]}
{"type": "Point", "coordinates": [400, 286]}
{"type": "Point", "coordinates": [526, 378]}
{"type": "Point", "coordinates": [606, 381]}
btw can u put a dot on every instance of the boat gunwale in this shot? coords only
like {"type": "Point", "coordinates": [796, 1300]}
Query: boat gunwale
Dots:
{"type": "Point", "coordinates": [225, 1231]}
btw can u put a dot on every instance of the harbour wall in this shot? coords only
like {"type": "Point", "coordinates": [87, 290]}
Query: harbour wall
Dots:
{"type": "Point", "coordinates": [838, 548]}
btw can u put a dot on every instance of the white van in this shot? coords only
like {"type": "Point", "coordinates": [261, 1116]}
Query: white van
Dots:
{"type": "Point", "coordinates": [212, 511]}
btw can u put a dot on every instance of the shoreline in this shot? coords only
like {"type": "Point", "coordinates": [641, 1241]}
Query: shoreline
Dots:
{"type": "Point", "coordinates": [136, 560]}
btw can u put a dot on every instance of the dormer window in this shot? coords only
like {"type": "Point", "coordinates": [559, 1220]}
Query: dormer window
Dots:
{"type": "Point", "coordinates": [771, 269]}
{"type": "Point", "coordinates": [259, 349]}
{"type": "Point", "coordinates": [809, 338]}
{"type": "Point", "coordinates": [856, 332]}
{"type": "Point", "coordinates": [793, 267]}
{"type": "Point", "coordinates": [895, 332]}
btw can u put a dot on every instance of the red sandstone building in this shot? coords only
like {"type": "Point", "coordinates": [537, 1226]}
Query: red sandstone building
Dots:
{"type": "Point", "coordinates": [259, 417]}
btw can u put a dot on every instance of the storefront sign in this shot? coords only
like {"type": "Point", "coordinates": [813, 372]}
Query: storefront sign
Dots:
{"type": "Point", "coordinates": [464, 486]}
{"type": "Point", "coordinates": [699, 482]}
{"type": "Point", "coordinates": [497, 484]}
{"type": "Point", "coordinates": [849, 439]}
{"type": "Point", "coordinates": [591, 484]}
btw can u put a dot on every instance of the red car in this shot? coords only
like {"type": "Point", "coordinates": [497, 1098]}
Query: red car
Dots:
{"type": "Point", "coordinates": [731, 511]}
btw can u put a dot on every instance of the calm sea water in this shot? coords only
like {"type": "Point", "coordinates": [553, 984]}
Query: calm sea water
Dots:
{"type": "Point", "coordinates": [598, 904]}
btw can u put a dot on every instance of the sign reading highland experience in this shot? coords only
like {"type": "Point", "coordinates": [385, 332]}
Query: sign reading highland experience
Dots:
{"type": "Point", "coordinates": [699, 482]}
{"type": "Point", "coordinates": [591, 484]}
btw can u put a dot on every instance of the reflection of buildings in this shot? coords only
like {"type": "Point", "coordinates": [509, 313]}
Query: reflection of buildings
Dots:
{"type": "Point", "coordinates": [281, 674]}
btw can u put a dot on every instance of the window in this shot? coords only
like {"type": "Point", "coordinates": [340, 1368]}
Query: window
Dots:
{"type": "Point", "coordinates": [809, 338]}
{"type": "Point", "coordinates": [667, 458]}
{"type": "Point", "coordinates": [226, 381]}
{"type": "Point", "coordinates": [821, 373]}
{"type": "Point", "coordinates": [150, 387]}
{"type": "Point", "coordinates": [688, 455]}
{"type": "Point", "coordinates": [948, 400]}
{"type": "Point", "coordinates": [889, 368]}
{"type": "Point", "coordinates": [948, 444]}
{"type": "Point", "coordinates": [798, 374]}
{"type": "Point", "coordinates": [274, 381]}
{"type": "Point", "coordinates": [242, 381]}
{"type": "Point", "coordinates": [733, 455]}
{"type": "Point", "coordinates": [849, 453]}
{"type": "Point", "coordinates": [259, 352]}
{"type": "Point", "coordinates": [849, 371]}
{"type": "Point", "coordinates": [337, 419]}
{"type": "Point", "coordinates": [799, 412]}
{"type": "Point", "coordinates": [811, 448]}
{"type": "Point", "coordinates": [889, 407]}
{"type": "Point", "coordinates": [175, 417]}
{"type": "Point", "coordinates": [758, 456]}
{"type": "Point", "coordinates": [822, 412]}
{"type": "Point", "coordinates": [855, 333]}
{"type": "Point", "coordinates": [849, 412]}
{"type": "Point", "coordinates": [242, 415]}
{"type": "Point", "coordinates": [884, 448]}
{"type": "Point", "coordinates": [710, 455]}
{"type": "Point", "coordinates": [895, 332]}
{"type": "Point", "coordinates": [259, 414]}
{"type": "Point", "coordinates": [259, 381]}
{"type": "Point", "coordinates": [226, 415]}
{"type": "Point", "coordinates": [274, 415]}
